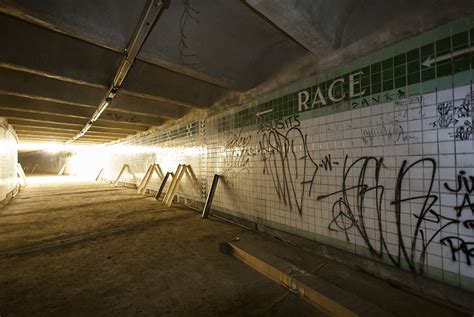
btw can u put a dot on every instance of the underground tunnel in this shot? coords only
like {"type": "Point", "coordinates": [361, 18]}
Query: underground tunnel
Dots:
{"type": "Point", "coordinates": [236, 158]}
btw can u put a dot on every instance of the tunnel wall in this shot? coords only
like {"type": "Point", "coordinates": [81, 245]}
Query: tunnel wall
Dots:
{"type": "Point", "coordinates": [185, 144]}
{"type": "Point", "coordinates": [8, 161]}
{"type": "Point", "coordinates": [385, 172]}
{"type": "Point", "coordinates": [43, 162]}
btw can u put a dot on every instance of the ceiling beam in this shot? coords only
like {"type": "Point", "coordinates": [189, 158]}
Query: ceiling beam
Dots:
{"type": "Point", "coordinates": [13, 81]}
{"type": "Point", "coordinates": [56, 90]}
{"type": "Point", "coordinates": [46, 136]}
{"type": "Point", "coordinates": [21, 127]}
{"type": "Point", "coordinates": [51, 118]}
{"type": "Point", "coordinates": [37, 123]}
{"type": "Point", "coordinates": [54, 139]}
{"type": "Point", "coordinates": [150, 15]}
{"type": "Point", "coordinates": [112, 117]}
{"type": "Point", "coordinates": [26, 134]}
{"type": "Point", "coordinates": [146, 78]}
{"type": "Point", "coordinates": [81, 63]}
{"type": "Point", "coordinates": [55, 53]}
{"type": "Point", "coordinates": [47, 107]}
{"type": "Point", "coordinates": [37, 19]}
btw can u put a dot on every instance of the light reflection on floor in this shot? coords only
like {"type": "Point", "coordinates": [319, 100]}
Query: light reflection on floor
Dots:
{"type": "Point", "coordinates": [47, 179]}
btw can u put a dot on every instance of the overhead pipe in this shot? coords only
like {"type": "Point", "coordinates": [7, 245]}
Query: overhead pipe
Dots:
{"type": "Point", "coordinates": [143, 29]}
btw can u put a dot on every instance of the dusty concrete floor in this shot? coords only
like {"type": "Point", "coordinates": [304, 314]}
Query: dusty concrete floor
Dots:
{"type": "Point", "coordinates": [86, 248]}
{"type": "Point", "coordinates": [92, 249]}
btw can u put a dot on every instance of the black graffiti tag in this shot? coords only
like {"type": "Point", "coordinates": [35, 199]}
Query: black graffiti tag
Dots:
{"type": "Point", "coordinates": [287, 168]}
{"type": "Point", "coordinates": [467, 183]}
{"type": "Point", "coordinates": [349, 213]}
{"type": "Point", "coordinates": [457, 245]}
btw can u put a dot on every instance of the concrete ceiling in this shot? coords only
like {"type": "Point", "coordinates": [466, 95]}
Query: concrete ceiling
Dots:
{"type": "Point", "coordinates": [59, 57]}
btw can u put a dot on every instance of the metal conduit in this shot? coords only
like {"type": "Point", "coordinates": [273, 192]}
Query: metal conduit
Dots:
{"type": "Point", "coordinates": [147, 20]}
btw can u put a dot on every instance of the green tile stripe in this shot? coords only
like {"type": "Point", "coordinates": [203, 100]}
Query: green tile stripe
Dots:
{"type": "Point", "coordinates": [389, 74]}
{"type": "Point", "coordinates": [179, 132]}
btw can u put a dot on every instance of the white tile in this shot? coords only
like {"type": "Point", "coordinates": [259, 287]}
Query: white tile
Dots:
{"type": "Point", "coordinates": [444, 95]}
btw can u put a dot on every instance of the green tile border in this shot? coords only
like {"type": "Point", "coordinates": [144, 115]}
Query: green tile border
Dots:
{"type": "Point", "coordinates": [416, 79]}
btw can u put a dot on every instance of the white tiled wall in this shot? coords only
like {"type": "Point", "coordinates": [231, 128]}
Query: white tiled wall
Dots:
{"type": "Point", "coordinates": [188, 147]}
{"type": "Point", "coordinates": [8, 159]}
{"type": "Point", "coordinates": [372, 180]}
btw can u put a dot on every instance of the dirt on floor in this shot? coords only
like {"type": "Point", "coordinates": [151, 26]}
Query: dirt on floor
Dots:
{"type": "Point", "coordinates": [69, 248]}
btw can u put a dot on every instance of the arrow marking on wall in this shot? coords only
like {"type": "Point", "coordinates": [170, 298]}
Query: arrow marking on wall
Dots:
{"type": "Point", "coordinates": [261, 113]}
{"type": "Point", "coordinates": [431, 60]}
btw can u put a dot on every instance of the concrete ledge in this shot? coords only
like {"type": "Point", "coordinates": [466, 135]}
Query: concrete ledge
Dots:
{"type": "Point", "coordinates": [419, 285]}
{"type": "Point", "coordinates": [237, 220]}
{"type": "Point", "coordinates": [10, 196]}
{"type": "Point", "coordinates": [281, 272]}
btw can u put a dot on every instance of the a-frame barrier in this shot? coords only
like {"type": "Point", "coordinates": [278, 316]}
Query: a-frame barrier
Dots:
{"type": "Point", "coordinates": [34, 168]}
{"type": "Point", "coordinates": [61, 171]}
{"type": "Point", "coordinates": [181, 170]}
{"type": "Point", "coordinates": [163, 184]}
{"type": "Point", "coordinates": [153, 168]}
{"type": "Point", "coordinates": [99, 175]}
{"type": "Point", "coordinates": [178, 175]}
{"type": "Point", "coordinates": [125, 167]}
{"type": "Point", "coordinates": [21, 174]}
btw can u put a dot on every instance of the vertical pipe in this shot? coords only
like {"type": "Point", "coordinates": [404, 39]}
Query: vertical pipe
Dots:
{"type": "Point", "coordinates": [162, 186]}
{"type": "Point", "coordinates": [210, 197]}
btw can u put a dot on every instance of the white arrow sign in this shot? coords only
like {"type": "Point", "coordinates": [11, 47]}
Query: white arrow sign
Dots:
{"type": "Point", "coordinates": [431, 60]}
{"type": "Point", "coordinates": [261, 113]}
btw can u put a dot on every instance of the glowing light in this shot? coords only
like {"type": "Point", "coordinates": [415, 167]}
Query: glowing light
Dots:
{"type": "Point", "coordinates": [179, 151]}
{"type": "Point", "coordinates": [51, 147]}
{"type": "Point", "coordinates": [170, 157]}
{"type": "Point", "coordinates": [88, 162]}
{"type": "Point", "coordinates": [85, 162]}
{"type": "Point", "coordinates": [42, 180]}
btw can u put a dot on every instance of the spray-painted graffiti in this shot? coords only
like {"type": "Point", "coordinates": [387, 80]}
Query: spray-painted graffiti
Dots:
{"type": "Point", "coordinates": [378, 98]}
{"type": "Point", "coordinates": [238, 152]}
{"type": "Point", "coordinates": [362, 186]}
{"type": "Point", "coordinates": [392, 134]}
{"type": "Point", "coordinates": [286, 158]}
{"type": "Point", "coordinates": [362, 203]}
{"type": "Point", "coordinates": [463, 132]}
{"type": "Point", "coordinates": [350, 208]}
{"type": "Point", "coordinates": [463, 184]}
{"type": "Point", "coordinates": [121, 117]}
{"type": "Point", "coordinates": [458, 245]}
{"type": "Point", "coordinates": [279, 124]}
{"type": "Point", "coordinates": [445, 111]}
{"type": "Point", "coordinates": [455, 114]}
